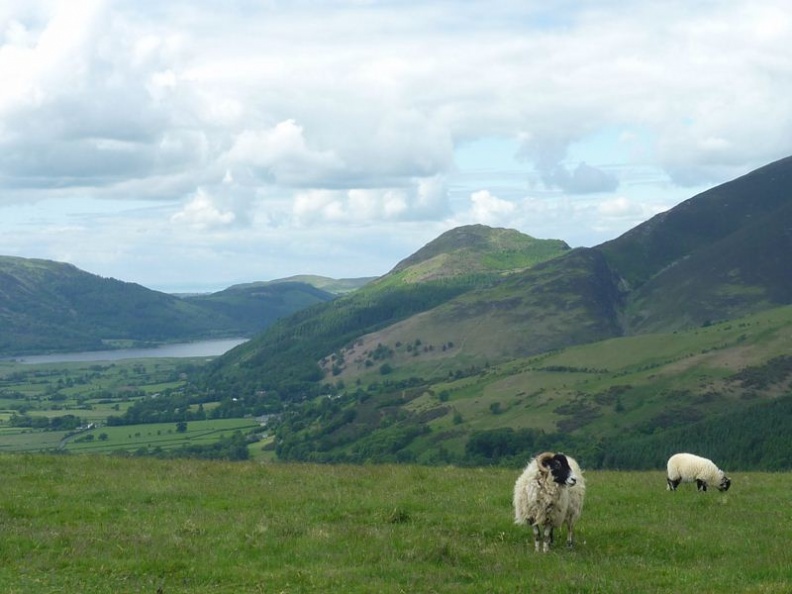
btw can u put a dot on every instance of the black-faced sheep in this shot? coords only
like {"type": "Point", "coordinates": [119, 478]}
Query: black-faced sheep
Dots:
{"type": "Point", "coordinates": [686, 468]}
{"type": "Point", "coordinates": [549, 493]}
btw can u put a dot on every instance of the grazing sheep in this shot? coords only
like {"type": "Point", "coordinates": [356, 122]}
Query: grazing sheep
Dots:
{"type": "Point", "coordinates": [689, 467]}
{"type": "Point", "coordinates": [547, 494]}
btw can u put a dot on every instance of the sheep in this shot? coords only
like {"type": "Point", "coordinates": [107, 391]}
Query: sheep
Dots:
{"type": "Point", "coordinates": [689, 467]}
{"type": "Point", "coordinates": [547, 494]}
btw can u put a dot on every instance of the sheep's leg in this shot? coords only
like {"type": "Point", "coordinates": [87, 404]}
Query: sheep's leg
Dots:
{"type": "Point", "coordinates": [702, 485]}
{"type": "Point", "coordinates": [673, 484]}
{"type": "Point", "coordinates": [570, 541]}
{"type": "Point", "coordinates": [537, 538]}
{"type": "Point", "coordinates": [548, 538]}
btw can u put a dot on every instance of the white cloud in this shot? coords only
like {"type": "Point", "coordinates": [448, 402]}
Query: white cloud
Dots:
{"type": "Point", "coordinates": [422, 199]}
{"type": "Point", "coordinates": [491, 210]}
{"type": "Point", "coordinates": [283, 154]}
{"type": "Point", "coordinates": [201, 213]}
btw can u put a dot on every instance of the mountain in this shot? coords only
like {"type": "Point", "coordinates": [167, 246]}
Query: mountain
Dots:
{"type": "Point", "coordinates": [475, 249]}
{"type": "Point", "coordinates": [252, 307]}
{"type": "Point", "coordinates": [285, 357]}
{"type": "Point", "coordinates": [399, 364]}
{"type": "Point", "coordinates": [51, 306]}
{"type": "Point", "coordinates": [48, 306]}
{"type": "Point", "coordinates": [719, 255]}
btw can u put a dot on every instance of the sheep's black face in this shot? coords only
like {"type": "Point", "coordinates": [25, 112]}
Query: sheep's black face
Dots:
{"type": "Point", "coordinates": [560, 470]}
{"type": "Point", "coordinates": [724, 484]}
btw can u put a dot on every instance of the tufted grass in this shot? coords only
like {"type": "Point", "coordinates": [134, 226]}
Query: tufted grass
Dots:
{"type": "Point", "coordinates": [111, 525]}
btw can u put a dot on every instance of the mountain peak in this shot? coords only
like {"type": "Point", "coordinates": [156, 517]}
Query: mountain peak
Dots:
{"type": "Point", "coordinates": [476, 249]}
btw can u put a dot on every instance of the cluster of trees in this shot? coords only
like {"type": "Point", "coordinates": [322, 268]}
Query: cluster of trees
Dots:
{"type": "Point", "coordinates": [233, 448]}
{"type": "Point", "coordinates": [163, 408]}
{"type": "Point", "coordinates": [752, 439]}
{"type": "Point", "coordinates": [61, 423]}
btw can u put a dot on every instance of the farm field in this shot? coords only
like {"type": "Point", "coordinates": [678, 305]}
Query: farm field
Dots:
{"type": "Point", "coordinates": [65, 406]}
{"type": "Point", "coordinates": [156, 435]}
{"type": "Point", "coordinates": [107, 524]}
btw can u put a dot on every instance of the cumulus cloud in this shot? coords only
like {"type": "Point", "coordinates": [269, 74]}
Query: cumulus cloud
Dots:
{"type": "Point", "coordinates": [283, 155]}
{"type": "Point", "coordinates": [491, 210]}
{"type": "Point", "coordinates": [423, 199]}
{"type": "Point", "coordinates": [202, 212]}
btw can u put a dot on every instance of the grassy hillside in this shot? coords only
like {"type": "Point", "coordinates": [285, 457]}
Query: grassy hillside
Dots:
{"type": "Point", "coordinates": [475, 249]}
{"type": "Point", "coordinates": [284, 359]}
{"type": "Point", "coordinates": [583, 397]}
{"type": "Point", "coordinates": [482, 326]}
{"type": "Point", "coordinates": [109, 525]}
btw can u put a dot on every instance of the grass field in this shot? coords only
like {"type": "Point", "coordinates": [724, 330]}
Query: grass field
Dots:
{"type": "Point", "coordinates": [161, 435]}
{"type": "Point", "coordinates": [93, 524]}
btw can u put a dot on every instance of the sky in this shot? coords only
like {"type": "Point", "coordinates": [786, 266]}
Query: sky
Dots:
{"type": "Point", "coordinates": [192, 145]}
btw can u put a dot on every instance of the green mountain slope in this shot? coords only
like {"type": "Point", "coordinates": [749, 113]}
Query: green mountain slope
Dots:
{"type": "Point", "coordinates": [512, 318]}
{"type": "Point", "coordinates": [700, 222]}
{"type": "Point", "coordinates": [746, 271]}
{"type": "Point", "coordinates": [284, 359]}
{"type": "Point", "coordinates": [626, 402]}
{"type": "Point", "coordinates": [475, 249]}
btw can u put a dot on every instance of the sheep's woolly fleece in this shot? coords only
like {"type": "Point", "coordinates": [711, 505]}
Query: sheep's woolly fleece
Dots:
{"type": "Point", "coordinates": [686, 468]}
{"type": "Point", "coordinates": [549, 493]}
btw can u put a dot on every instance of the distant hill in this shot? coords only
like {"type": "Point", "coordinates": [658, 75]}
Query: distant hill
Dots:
{"type": "Point", "coordinates": [51, 306]}
{"type": "Point", "coordinates": [464, 305]}
{"type": "Point", "coordinates": [475, 249]}
{"type": "Point", "coordinates": [48, 306]}
{"type": "Point", "coordinates": [252, 307]}
{"type": "Point", "coordinates": [336, 286]}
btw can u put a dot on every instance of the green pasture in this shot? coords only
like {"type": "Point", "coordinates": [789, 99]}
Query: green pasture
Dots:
{"type": "Point", "coordinates": [15, 439]}
{"type": "Point", "coordinates": [158, 435]}
{"type": "Point", "coordinates": [104, 525]}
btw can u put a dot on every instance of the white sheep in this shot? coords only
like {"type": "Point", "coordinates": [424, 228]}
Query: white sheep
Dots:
{"type": "Point", "coordinates": [547, 494]}
{"type": "Point", "coordinates": [686, 468]}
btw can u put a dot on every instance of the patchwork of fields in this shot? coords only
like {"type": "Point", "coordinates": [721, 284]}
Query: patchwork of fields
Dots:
{"type": "Point", "coordinates": [65, 407]}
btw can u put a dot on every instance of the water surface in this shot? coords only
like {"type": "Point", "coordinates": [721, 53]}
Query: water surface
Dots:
{"type": "Point", "coordinates": [200, 348]}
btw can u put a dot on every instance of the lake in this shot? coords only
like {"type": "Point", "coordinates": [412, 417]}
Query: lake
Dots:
{"type": "Point", "coordinates": [200, 348]}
